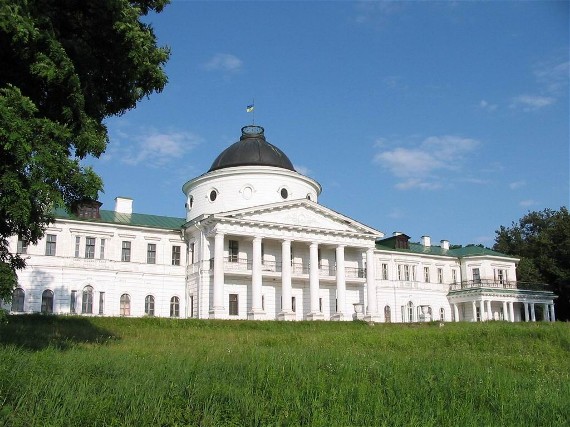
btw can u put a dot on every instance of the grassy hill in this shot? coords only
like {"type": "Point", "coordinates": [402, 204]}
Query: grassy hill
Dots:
{"type": "Point", "coordinates": [162, 372]}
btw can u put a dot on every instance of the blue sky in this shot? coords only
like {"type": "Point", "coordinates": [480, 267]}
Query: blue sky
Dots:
{"type": "Point", "coordinates": [447, 119]}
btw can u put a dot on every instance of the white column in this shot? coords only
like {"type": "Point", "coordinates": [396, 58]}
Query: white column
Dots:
{"type": "Point", "coordinates": [256, 281]}
{"type": "Point", "coordinates": [545, 313]}
{"type": "Point", "coordinates": [505, 312]}
{"type": "Point", "coordinates": [482, 310]}
{"type": "Point", "coordinates": [455, 312]}
{"type": "Point", "coordinates": [532, 312]}
{"type": "Point", "coordinates": [511, 311]}
{"type": "Point", "coordinates": [489, 310]}
{"type": "Point", "coordinates": [314, 313]}
{"type": "Point", "coordinates": [552, 315]}
{"type": "Point", "coordinates": [286, 309]}
{"type": "Point", "coordinates": [474, 307]}
{"type": "Point", "coordinates": [218, 309]}
{"type": "Point", "coordinates": [526, 315]}
{"type": "Point", "coordinates": [372, 314]}
{"type": "Point", "coordinates": [340, 284]}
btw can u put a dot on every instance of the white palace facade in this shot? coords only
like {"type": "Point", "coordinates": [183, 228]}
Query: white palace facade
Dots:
{"type": "Point", "coordinates": [256, 244]}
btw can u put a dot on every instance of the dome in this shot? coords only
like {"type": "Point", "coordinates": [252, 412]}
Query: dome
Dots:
{"type": "Point", "coordinates": [252, 150]}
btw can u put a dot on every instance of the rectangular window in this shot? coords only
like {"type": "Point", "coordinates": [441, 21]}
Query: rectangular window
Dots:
{"type": "Point", "coordinates": [192, 257]}
{"type": "Point", "coordinates": [501, 276]}
{"type": "Point", "coordinates": [262, 254]}
{"type": "Point", "coordinates": [77, 246]}
{"type": "Point", "coordinates": [454, 275]}
{"type": "Point", "coordinates": [400, 276]}
{"type": "Point", "coordinates": [22, 247]}
{"type": "Point", "coordinates": [440, 275]}
{"type": "Point", "coordinates": [263, 302]}
{"type": "Point", "coordinates": [413, 273]}
{"type": "Point", "coordinates": [406, 272]}
{"type": "Point", "coordinates": [476, 276]}
{"type": "Point", "coordinates": [384, 271]}
{"type": "Point", "coordinates": [234, 305]}
{"type": "Point", "coordinates": [72, 302]}
{"type": "Point", "coordinates": [426, 275]}
{"type": "Point", "coordinates": [101, 302]}
{"type": "Point", "coordinates": [90, 247]}
{"type": "Point", "coordinates": [321, 305]}
{"type": "Point", "coordinates": [320, 258]}
{"type": "Point", "coordinates": [294, 304]}
{"type": "Point", "coordinates": [50, 244]}
{"type": "Point", "coordinates": [126, 251]}
{"type": "Point", "coordinates": [176, 254]}
{"type": "Point", "coordinates": [151, 253]}
{"type": "Point", "coordinates": [102, 249]}
{"type": "Point", "coordinates": [233, 250]}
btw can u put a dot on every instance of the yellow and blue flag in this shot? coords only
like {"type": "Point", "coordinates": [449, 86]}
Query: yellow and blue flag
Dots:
{"type": "Point", "coordinates": [249, 108]}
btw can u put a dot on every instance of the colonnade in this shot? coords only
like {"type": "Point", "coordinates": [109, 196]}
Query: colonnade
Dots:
{"type": "Point", "coordinates": [287, 313]}
{"type": "Point", "coordinates": [486, 313]}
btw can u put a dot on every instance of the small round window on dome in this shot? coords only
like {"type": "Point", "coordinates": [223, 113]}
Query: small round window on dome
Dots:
{"type": "Point", "coordinates": [284, 193]}
{"type": "Point", "coordinates": [213, 195]}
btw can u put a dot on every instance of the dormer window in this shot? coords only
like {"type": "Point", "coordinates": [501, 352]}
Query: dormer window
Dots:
{"type": "Point", "coordinates": [402, 242]}
{"type": "Point", "coordinates": [87, 209]}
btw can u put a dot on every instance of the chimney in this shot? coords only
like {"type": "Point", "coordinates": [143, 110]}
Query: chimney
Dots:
{"type": "Point", "coordinates": [426, 241]}
{"type": "Point", "coordinates": [124, 205]}
{"type": "Point", "coordinates": [445, 244]}
{"type": "Point", "coordinates": [396, 233]}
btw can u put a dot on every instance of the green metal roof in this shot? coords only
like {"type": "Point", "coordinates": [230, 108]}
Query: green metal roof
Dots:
{"type": "Point", "coordinates": [466, 251]}
{"type": "Point", "coordinates": [134, 219]}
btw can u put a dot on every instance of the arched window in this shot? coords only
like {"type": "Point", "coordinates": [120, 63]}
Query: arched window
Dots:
{"type": "Point", "coordinates": [18, 300]}
{"type": "Point", "coordinates": [87, 300]}
{"type": "Point", "coordinates": [410, 311]}
{"type": "Point", "coordinates": [125, 309]}
{"type": "Point", "coordinates": [47, 302]}
{"type": "Point", "coordinates": [442, 314]}
{"type": "Point", "coordinates": [387, 314]}
{"type": "Point", "coordinates": [174, 307]}
{"type": "Point", "coordinates": [149, 305]}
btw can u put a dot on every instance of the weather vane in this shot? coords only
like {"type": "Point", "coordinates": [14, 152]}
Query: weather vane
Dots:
{"type": "Point", "coordinates": [251, 109]}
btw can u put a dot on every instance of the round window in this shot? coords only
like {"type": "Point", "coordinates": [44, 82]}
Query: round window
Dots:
{"type": "Point", "coordinates": [191, 202]}
{"type": "Point", "coordinates": [284, 193]}
{"type": "Point", "coordinates": [213, 195]}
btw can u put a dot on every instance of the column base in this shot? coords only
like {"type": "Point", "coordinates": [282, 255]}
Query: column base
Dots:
{"type": "Point", "coordinates": [284, 315]}
{"type": "Point", "coordinates": [372, 318]}
{"type": "Point", "coordinates": [358, 316]}
{"type": "Point", "coordinates": [256, 315]}
{"type": "Point", "coordinates": [337, 317]}
{"type": "Point", "coordinates": [316, 316]}
{"type": "Point", "coordinates": [217, 313]}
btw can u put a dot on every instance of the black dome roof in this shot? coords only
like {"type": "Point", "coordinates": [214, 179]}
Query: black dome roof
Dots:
{"type": "Point", "coordinates": [252, 150]}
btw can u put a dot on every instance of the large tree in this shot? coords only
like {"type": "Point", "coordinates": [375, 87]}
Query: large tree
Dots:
{"type": "Point", "coordinates": [542, 241]}
{"type": "Point", "coordinates": [65, 66]}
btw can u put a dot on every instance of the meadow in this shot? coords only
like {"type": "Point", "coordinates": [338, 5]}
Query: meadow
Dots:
{"type": "Point", "coordinates": [69, 371]}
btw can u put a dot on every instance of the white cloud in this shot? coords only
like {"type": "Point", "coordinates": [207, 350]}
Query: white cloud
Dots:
{"type": "Point", "coordinates": [303, 170]}
{"type": "Point", "coordinates": [517, 184]}
{"type": "Point", "coordinates": [224, 62]}
{"type": "Point", "coordinates": [532, 102]}
{"type": "Point", "coordinates": [484, 105]}
{"type": "Point", "coordinates": [527, 203]}
{"type": "Point", "coordinates": [376, 12]}
{"type": "Point", "coordinates": [553, 76]}
{"type": "Point", "coordinates": [417, 166]}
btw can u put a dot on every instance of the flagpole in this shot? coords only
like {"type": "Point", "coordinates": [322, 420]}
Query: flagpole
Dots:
{"type": "Point", "coordinates": [253, 117]}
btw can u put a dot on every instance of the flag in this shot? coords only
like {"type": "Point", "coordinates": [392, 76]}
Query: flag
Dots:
{"type": "Point", "coordinates": [249, 108]}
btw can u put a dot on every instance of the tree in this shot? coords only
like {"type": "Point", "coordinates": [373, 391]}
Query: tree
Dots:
{"type": "Point", "coordinates": [66, 66]}
{"type": "Point", "coordinates": [542, 241]}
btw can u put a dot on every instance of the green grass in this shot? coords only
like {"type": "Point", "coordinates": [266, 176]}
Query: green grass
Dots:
{"type": "Point", "coordinates": [161, 372]}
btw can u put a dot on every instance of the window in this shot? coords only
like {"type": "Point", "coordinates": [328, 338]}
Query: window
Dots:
{"type": "Point", "coordinates": [384, 271]}
{"type": "Point", "coordinates": [22, 247]}
{"type": "Point", "coordinates": [50, 244]}
{"type": "Point", "coordinates": [125, 307]}
{"type": "Point", "coordinates": [454, 275]}
{"type": "Point", "coordinates": [387, 314]}
{"type": "Point", "coordinates": [234, 305]}
{"type": "Point", "coordinates": [151, 253]}
{"type": "Point", "coordinates": [149, 305]}
{"type": "Point", "coordinates": [213, 195]}
{"type": "Point", "coordinates": [441, 314]}
{"type": "Point", "coordinates": [191, 202]}
{"type": "Point", "coordinates": [73, 302]}
{"type": "Point", "coordinates": [18, 300]}
{"type": "Point", "coordinates": [90, 247]}
{"type": "Point", "coordinates": [476, 276]}
{"type": "Point", "coordinates": [426, 275]}
{"type": "Point", "coordinates": [262, 253]}
{"type": "Point", "coordinates": [176, 254]}
{"type": "Point", "coordinates": [192, 305]}
{"type": "Point", "coordinates": [410, 308]}
{"type": "Point", "coordinates": [77, 246]}
{"type": "Point", "coordinates": [87, 300]}
{"type": "Point", "coordinates": [233, 251]}
{"type": "Point", "coordinates": [406, 272]}
{"type": "Point", "coordinates": [440, 275]}
{"type": "Point", "coordinates": [47, 302]}
{"type": "Point", "coordinates": [174, 307]}
{"type": "Point", "coordinates": [500, 276]}
{"type": "Point", "coordinates": [294, 304]}
{"type": "Point", "coordinates": [101, 302]}
{"type": "Point", "coordinates": [126, 252]}
{"type": "Point", "coordinates": [284, 193]}
{"type": "Point", "coordinates": [263, 302]}
{"type": "Point", "coordinates": [320, 305]}
{"type": "Point", "coordinates": [102, 249]}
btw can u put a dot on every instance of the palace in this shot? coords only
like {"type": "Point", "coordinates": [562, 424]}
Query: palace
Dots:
{"type": "Point", "coordinates": [256, 244]}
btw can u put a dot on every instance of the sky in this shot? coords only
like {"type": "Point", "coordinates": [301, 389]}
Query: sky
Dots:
{"type": "Point", "coordinates": [446, 119]}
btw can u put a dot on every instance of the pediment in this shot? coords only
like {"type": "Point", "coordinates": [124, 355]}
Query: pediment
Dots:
{"type": "Point", "coordinates": [301, 214]}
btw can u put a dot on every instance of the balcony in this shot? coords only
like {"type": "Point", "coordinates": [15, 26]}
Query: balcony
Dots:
{"type": "Point", "coordinates": [498, 284]}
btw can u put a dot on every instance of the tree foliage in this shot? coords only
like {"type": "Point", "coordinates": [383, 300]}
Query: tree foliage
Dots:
{"type": "Point", "coordinates": [542, 241]}
{"type": "Point", "coordinates": [66, 65]}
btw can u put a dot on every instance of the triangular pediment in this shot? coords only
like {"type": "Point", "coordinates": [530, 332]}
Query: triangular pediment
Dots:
{"type": "Point", "coordinates": [300, 213]}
